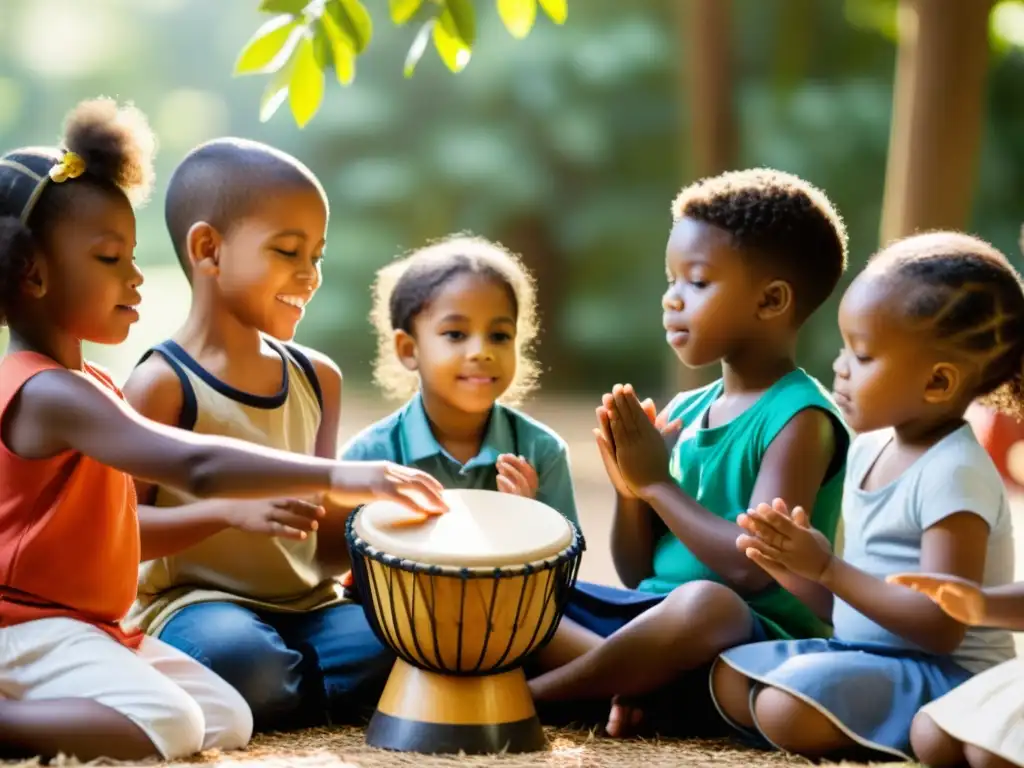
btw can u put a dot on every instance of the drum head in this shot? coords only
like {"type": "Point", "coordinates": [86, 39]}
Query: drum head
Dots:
{"type": "Point", "coordinates": [481, 529]}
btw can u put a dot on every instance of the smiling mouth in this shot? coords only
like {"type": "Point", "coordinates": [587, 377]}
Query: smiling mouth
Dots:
{"type": "Point", "coordinates": [479, 380]}
{"type": "Point", "coordinates": [299, 302]}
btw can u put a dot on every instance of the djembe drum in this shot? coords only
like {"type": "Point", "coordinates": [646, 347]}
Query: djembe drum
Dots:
{"type": "Point", "coordinates": [462, 598]}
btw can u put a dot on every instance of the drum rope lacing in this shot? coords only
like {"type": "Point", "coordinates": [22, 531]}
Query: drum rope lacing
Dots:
{"type": "Point", "coordinates": [561, 572]}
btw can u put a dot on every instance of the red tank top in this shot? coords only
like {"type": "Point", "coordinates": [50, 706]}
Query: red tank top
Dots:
{"type": "Point", "coordinates": [69, 527]}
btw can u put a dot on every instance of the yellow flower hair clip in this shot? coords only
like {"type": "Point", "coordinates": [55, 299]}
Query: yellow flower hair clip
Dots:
{"type": "Point", "coordinates": [71, 166]}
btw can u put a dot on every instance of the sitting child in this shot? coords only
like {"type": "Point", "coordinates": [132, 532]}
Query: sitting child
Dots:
{"type": "Point", "coordinates": [455, 324]}
{"type": "Point", "coordinates": [751, 256]}
{"type": "Point", "coordinates": [251, 590]}
{"type": "Point", "coordinates": [73, 681]}
{"type": "Point", "coordinates": [982, 721]}
{"type": "Point", "coordinates": [933, 322]}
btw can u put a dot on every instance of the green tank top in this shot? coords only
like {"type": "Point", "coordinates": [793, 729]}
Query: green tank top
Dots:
{"type": "Point", "coordinates": [718, 468]}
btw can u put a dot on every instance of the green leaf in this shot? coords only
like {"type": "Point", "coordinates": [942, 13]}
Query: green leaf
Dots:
{"type": "Point", "coordinates": [403, 10]}
{"type": "Point", "coordinates": [322, 48]}
{"type": "Point", "coordinates": [353, 20]}
{"type": "Point", "coordinates": [294, 7]}
{"type": "Point", "coordinates": [306, 86]}
{"type": "Point", "coordinates": [450, 47]}
{"type": "Point", "coordinates": [464, 17]}
{"type": "Point", "coordinates": [419, 45]}
{"type": "Point", "coordinates": [275, 93]}
{"type": "Point", "coordinates": [557, 10]}
{"type": "Point", "coordinates": [271, 43]}
{"type": "Point", "coordinates": [518, 16]}
{"type": "Point", "coordinates": [339, 49]}
{"type": "Point", "coordinates": [1006, 24]}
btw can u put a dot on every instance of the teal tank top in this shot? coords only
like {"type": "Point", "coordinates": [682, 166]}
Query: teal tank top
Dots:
{"type": "Point", "coordinates": [718, 468]}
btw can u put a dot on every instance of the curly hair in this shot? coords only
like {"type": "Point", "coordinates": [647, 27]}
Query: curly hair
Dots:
{"type": "Point", "coordinates": [405, 287]}
{"type": "Point", "coordinates": [220, 181]}
{"type": "Point", "coordinates": [116, 147]}
{"type": "Point", "coordinates": [781, 221]}
{"type": "Point", "coordinates": [972, 299]}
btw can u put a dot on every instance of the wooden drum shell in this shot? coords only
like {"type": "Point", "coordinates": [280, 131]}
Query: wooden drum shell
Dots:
{"type": "Point", "coordinates": [477, 621]}
{"type": "Point", "coordinates": [461, 635]}
{"type": "Point", "coordinates": [462, 621]}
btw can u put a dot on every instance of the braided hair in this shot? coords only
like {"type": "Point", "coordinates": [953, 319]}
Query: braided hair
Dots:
{"type": "Point", "coordinates": [972, 299]}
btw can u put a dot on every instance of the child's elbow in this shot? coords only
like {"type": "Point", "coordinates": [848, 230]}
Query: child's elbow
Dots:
{"type": "Point", "coordinates": [945, 638]}
{"type": "Point", "coordinates": [201, 473]}
{"type": "Point", "coordinates": [748, 578]}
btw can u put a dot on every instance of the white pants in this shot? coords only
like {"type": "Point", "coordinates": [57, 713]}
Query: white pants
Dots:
{"type": "Point", "coordinates": [181, 705]}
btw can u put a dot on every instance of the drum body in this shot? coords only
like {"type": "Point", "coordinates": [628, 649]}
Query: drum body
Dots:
{"type": "Point", "coordinates": [462, 599]}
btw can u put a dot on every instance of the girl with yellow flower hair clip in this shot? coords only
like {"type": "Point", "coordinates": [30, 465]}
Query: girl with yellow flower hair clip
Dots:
{"type": "Point", "coordinates": [73, 680]}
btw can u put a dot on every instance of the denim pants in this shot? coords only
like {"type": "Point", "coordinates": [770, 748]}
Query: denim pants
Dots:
{"type": "Point", "coordinates": [295, 670]}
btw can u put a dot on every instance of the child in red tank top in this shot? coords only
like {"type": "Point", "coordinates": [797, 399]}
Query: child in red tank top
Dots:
{"type": "Point", "coordinates": [72, 681]}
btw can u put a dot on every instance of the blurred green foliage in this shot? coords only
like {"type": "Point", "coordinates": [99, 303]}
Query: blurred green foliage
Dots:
{"type": "Point", "coordinates": [567, 145]}
{"type": "Point", "coordinates": [306, 38]}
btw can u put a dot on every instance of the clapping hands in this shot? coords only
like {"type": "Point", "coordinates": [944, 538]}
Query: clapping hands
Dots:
{"type": "Point", "coordinates": [780, 541]}
{"type": "Point", "coordinates": [516, 476]}
{"type": "Point", "coordinates": [633, 441]}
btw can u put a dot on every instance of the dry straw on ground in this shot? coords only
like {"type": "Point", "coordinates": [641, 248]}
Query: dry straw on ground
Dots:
{"type": "Point", "coordinates": [345, 748]}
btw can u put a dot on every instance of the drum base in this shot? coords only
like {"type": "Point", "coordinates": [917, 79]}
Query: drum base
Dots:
{"type": "Point", "coordinates": [429, 713]}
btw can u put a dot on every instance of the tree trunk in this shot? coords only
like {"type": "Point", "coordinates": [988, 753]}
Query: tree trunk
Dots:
{"type": "Point", "coordinates": [707, 84]}
{"type": "Point", "coordinates": [938, 112]}
{"type": "Point", "coordinates": [706, 88]}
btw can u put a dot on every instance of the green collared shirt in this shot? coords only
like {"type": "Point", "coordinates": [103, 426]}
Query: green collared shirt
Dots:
{"type": "Point", "coordinates": [405, 437]}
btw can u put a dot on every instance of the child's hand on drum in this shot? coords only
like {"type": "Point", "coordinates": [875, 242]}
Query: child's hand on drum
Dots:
{"type": "Point", "coordinates": [357, 482]}
{"type": "Point", "coordinates": [961, 599]}
{"type": "Point", "coordinates": [286, 518]}
{"type": "Point", "coordinates": [516, 476]}
{"type": "Point", "coordinates": [776, 539]}
{"type": "Point", "coordinates": [640, 446]}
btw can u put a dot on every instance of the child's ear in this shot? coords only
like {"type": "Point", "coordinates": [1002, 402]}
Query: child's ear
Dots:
{"type": "Point", "coordinates": [203, 243]}
{"type": "Point", "coordinates": [943, 384]}
{"type": "Point", "coordinates": [776, 300]}
{"type": "Point", "coordinates": [405, 349]}
{"type": "Point", "coordinates": [35, 281]}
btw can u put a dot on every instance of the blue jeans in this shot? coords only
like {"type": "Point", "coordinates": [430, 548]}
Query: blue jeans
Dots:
{"type": "Point", "coordinates": [295, 670]}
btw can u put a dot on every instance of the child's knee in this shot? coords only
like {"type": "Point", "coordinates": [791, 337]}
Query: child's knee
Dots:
{"type": "Point", "coordinates": [932, 745]}
{"type": "Point", "coordinates": [178, 729]}
{"type": "Point", "coordinates": [795, 726]}
{"type": "Point", "coordinates": [229, 721]}
{"type": "Point", "coordinates": [981, 758]}
{"type": "Point", "coordinates": [712, 613]}
{"type": "Point", "coordinates": [731, 691]}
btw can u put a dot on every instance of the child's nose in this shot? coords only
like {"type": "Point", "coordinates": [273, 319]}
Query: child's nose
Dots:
{"type": "Point", "coordinates": [671, 301]}
{"type": "Point", "coordinates": [839, 367]}
{"type": "Point", "coordinates": [308, 275]}
{"type": "Point", "coordinates": [480, 350]}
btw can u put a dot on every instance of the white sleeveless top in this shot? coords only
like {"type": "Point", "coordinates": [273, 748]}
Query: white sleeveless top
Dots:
{"type": "Point", "coordinates": [250, 569]}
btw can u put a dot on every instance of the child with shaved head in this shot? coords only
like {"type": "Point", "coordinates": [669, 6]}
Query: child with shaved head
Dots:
{"type": "Point", "coordinates": [250, 590]}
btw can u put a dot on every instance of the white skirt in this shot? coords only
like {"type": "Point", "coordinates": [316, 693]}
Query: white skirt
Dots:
{"type": "Point", "coordinates": [986, 711]}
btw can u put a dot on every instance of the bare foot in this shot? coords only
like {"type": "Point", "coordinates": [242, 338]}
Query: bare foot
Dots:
{"type": "Point", "coordinates": [624, 719]}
